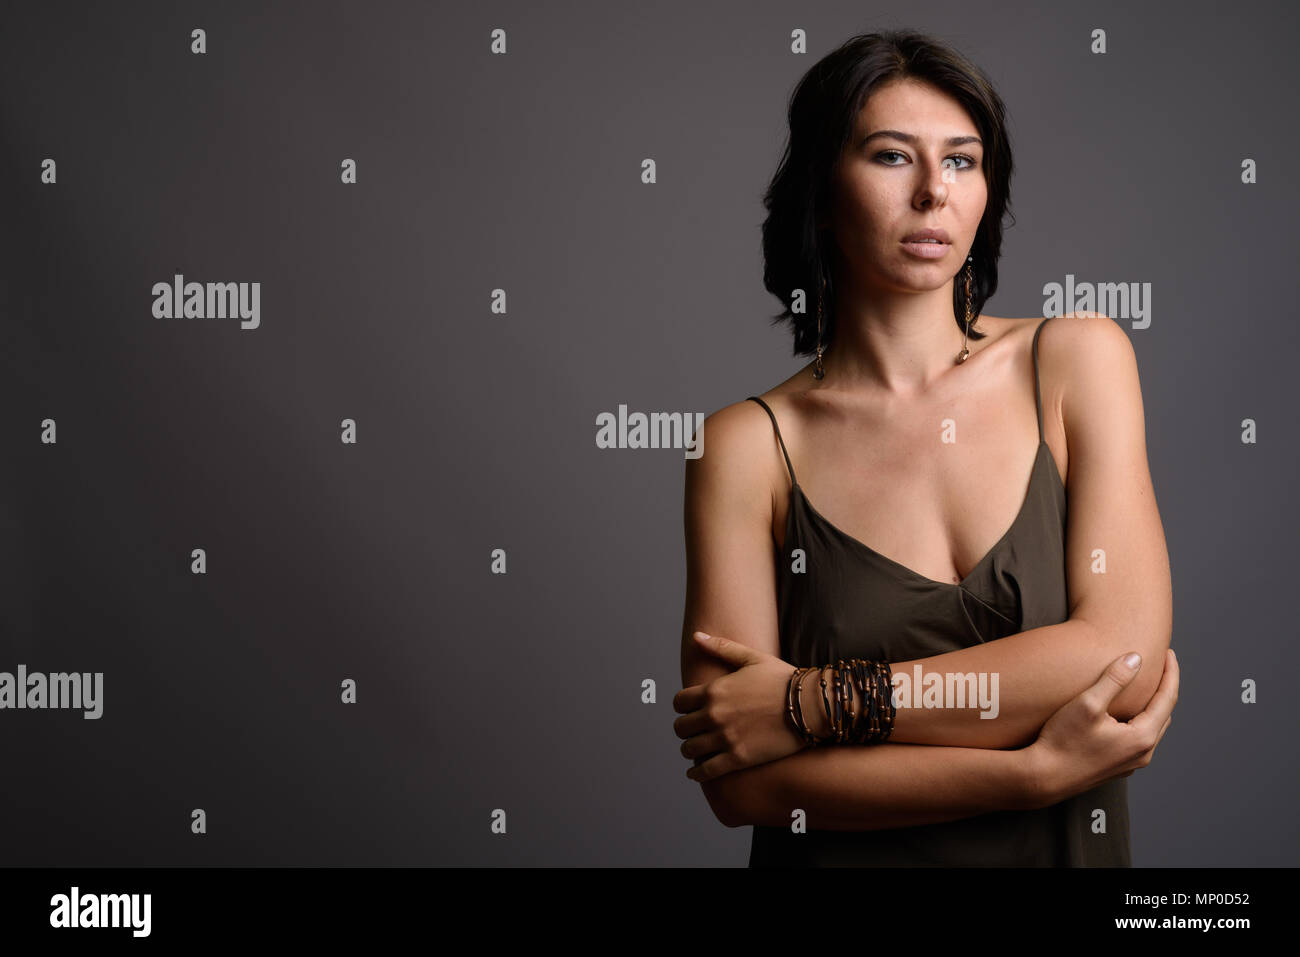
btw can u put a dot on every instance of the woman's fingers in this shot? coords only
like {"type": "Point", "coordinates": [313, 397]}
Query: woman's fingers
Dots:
{"type": "Point", "coordinates": [732, 652]}
{"type": "Point", "coordinates": [1112, 681]}
{"type": "Point", "coordinates": [703, 745]}
{"type": "Point", "coordinates": [1145, 757]}
{"type": "Point", "coordinates": [689, 699]}
{"type": "Point", "coordinates": [689, 725]}
{"type": "Point", "coordinates": [1161, 705]}
{"type": "Point", "coordinates": [715, 767]}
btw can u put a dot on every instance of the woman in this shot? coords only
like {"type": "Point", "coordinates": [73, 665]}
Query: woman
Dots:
{"type": "Point", "coordinates": [916, 434]}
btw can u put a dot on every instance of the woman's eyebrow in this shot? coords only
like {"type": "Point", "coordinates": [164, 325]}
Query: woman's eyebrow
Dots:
{"type": "Point", "coordinates": [912, 138]}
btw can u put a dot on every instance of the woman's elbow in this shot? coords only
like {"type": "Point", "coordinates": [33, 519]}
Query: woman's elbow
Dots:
{"type": "Point", "coordinates": [1136, 698]}
{"type": "Point", "coordinates": [723, 801]}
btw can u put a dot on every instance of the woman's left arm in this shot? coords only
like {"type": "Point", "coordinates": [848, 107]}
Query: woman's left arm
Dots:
{"type": "Point", "coordinates": [1117, 562]}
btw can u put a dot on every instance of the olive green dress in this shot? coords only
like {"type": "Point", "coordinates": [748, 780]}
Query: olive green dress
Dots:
{"type": "Point", "coordinates": [852, 602]}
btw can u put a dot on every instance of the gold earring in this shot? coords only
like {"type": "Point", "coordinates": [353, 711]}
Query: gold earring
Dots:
{"type": "Point", "coordinates": [818, 371]}
{"type": "Point", "coordinates": [965, 353]}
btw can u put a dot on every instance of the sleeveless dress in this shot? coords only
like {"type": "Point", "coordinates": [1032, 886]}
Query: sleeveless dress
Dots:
{"type": "Point", "coordinates": [852, 602]}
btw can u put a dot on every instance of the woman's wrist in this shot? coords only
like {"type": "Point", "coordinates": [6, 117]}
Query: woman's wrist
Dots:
{"type": "Point", "coordinates": [1038, 784]}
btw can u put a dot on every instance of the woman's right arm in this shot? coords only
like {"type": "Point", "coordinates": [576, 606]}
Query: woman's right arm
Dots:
{"type": "Point", "coordinates": [731, 591]}
{"type": "Point", "coordinates": [1079, 747]}
{"type": "Point", "coordinates": [871, 787]}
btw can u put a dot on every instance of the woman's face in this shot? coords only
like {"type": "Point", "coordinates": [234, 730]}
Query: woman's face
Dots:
{"type": "Point", "coordinates": [886, 188]}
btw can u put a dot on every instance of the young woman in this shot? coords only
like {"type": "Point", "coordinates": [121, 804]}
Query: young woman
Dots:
{"type": "Point", "coordinates": [928, 526]}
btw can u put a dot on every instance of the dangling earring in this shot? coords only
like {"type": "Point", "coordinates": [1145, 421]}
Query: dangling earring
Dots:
{"type": "Point", "coordinates": [965, 353]}
{"type": "Point", "coordinates": [818, 371]}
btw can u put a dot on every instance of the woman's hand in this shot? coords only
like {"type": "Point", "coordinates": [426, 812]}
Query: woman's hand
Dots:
{"type": "Point", "coordinates": [738, 720]}
{"type": "Point", "coordinates": [1081, 745]}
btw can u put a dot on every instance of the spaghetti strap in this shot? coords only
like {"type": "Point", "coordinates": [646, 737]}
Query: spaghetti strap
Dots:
{"type": "Point", "coordinates": [777, 428]}
{"type": "Point", "coordinates": [1038, 393]}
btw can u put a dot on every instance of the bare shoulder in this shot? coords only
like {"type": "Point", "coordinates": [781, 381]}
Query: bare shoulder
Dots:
{"type": "Point", "coordinates": [739, 430]}
{"type": "Point", "coordinates": [740, 456]}
{"type": "Point", "coordinates": [1078, 345]}
{"type": "Point", "coordinates": [1085, 357]}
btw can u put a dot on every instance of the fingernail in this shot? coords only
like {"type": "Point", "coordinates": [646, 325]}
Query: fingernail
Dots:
{"type": "Point", "coordinates": [701, 636]}
{"type": "Point", "coordinates": [1133, 661]}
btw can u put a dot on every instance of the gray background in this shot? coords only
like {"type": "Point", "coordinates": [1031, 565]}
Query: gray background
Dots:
{"type": "Point", "coordinates": [477, 430]}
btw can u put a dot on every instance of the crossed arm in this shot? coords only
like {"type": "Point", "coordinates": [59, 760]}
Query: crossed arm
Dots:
{"type": "Point", "coordinates": [942, 763]}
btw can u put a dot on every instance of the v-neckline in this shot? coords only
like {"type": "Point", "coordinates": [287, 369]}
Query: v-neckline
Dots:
{"type": "Point", "coordinates": [912, 573]}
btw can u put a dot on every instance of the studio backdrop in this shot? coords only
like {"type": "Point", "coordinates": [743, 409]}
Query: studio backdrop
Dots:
{"type": "Point", "coordinates": [326, 534]}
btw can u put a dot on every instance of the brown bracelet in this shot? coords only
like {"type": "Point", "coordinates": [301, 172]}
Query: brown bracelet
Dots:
{"type": "Point", "coordinates": [858, 670]}
{"type": "Point", "coordinates": [798, 700]}
{"type": "Point", "coordinates": [887, 683]}
{"type": "Point", "coordinates": [850, 713]}
{"type": "Point", "coordinates": [821, 678]}
{"type": "Point", "coordinates": [871, 722]}
{"type": "Point", "coordinates": [794, 706]}
{"type": "Point", "coordinates": [875, 678]}
{"type": "Point", "coordinates": [837, 726]}
{"type": "Point", "coordinates": [847, 715]}
{"type": "Point", "coordinates": [789, 701]}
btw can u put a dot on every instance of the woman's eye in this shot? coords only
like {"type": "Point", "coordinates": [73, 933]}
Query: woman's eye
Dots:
{"type": "Point", "coordinates": [960, 156]}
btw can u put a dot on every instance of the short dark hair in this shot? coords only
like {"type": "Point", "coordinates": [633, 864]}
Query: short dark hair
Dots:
{"type": "Point", "coordinates": [822, 114]}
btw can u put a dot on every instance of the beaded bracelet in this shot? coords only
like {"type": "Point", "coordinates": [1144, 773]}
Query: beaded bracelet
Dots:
{"type": "Point", "coordinates": [794, 706]}
{"type": "Point", "coordinates": [871, 722]}
{"type": "Point", "coordinates": [870, 706]}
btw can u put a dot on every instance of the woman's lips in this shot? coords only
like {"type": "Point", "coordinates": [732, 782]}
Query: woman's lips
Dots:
{"type": "Point", "coordinates": [928, 250]}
